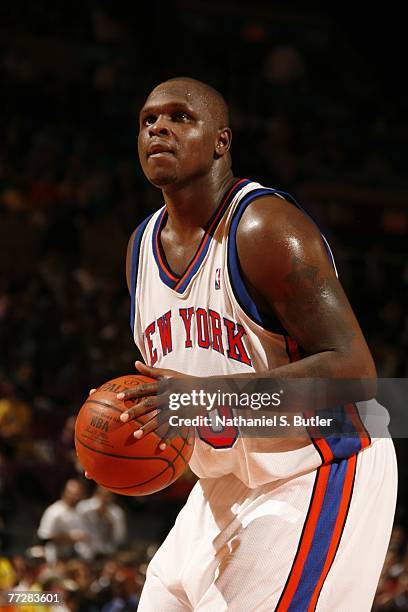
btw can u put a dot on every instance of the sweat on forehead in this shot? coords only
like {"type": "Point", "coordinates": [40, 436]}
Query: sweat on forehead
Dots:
{"type": "Point", "coordinates": [192, 91]}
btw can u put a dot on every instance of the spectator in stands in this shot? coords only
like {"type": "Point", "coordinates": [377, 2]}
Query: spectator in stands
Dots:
{"type": "Point", "coordinates": [62, 527]}
{"type": "Point", "coordinates": [104, 521]}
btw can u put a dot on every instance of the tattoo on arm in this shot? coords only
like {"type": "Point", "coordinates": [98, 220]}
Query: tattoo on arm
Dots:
{"type": "Point", "coordinates": [325, 301]}
{"type": "Point", "coordinates": [300, 274]}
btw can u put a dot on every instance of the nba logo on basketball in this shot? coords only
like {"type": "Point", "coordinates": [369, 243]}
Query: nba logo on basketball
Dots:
{"type": "Point", "coordinates": [218, 278]}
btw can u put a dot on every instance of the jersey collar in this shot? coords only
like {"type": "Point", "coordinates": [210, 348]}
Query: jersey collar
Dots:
{"type": "Point", "coordinates": [172, 280]}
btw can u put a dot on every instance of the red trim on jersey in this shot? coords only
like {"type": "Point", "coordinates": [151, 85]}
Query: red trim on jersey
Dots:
{"type": "Point", "coordinates": [207, 235]}
{"type": "Point", "coordinates": [162, 264]}
{"type": "Point", "coordinates": [293, 349]}
{"type": "Point", "coordinates": [319, 441]}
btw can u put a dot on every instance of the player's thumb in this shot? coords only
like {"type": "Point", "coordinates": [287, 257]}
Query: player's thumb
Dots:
{"type": "Point", "coordinates": [145, 369]}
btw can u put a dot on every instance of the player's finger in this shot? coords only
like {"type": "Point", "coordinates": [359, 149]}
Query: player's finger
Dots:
{"type": "Point", "coordinates": [141, 390]}
{"type": "Point", "coordinates": [147, 370]}
{"type": "Point", "coordinates": [87, 476]}
{"type": "Point", "coordinates": [165, 440]}
{"type": "Point", "coordinates": [151, 425]}
{"type": "Point", "coordinates": [167, 434]}
{"type": "Point", "coordinates": [158, 423]}
{"type": "Point", "coordinates": [91, 391]}
{"type": "Point", "coordinates": [143, 407]}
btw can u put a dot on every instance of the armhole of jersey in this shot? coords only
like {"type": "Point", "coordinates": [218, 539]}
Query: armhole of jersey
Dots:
{"type": "Point", "coordinates": [134, 266]}
{"type": "Point", "coordinates": [237, 282]}
{"type": "Point", "coordinates": [291, 199]}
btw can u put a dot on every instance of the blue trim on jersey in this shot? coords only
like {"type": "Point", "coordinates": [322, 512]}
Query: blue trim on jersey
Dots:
{"type": "Point", "coordinates": [211, 233]}
{"type": "Point", "coordinates": [347, 439]}
{"type": "Point", "coordinates": [239, 288]}
{"type": "Point", "coordinates": [316, 558]}
{"type": "Point", "coordinates": [345, 446]}
{"type": "Point", "coordinates": [291, 199]}
{"type": "Point", "coordinates": [234, 269]}
{"type": "Point", "coordinates": [180, 283]}
{"type": "Point", "coordinates": [134, 266]}
{"type": "Point", "coordinates": [167, 280]}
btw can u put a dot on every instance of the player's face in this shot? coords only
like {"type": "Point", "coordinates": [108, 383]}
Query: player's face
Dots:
{"type": "Point", "coordinates": [177, 135]}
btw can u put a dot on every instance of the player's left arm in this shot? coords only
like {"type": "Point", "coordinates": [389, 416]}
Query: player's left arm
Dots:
{"type": "Point", "coordinates": [289, 273]}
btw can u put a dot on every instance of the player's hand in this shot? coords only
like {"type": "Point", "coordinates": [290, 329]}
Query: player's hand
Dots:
{"type": "Point", "coordinates": [150, 401]}
{"type": "Point", "coordinates": [146, 392]}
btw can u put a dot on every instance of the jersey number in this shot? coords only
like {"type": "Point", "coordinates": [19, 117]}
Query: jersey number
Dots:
{"type": "Point", "coordinates": [219, 436]}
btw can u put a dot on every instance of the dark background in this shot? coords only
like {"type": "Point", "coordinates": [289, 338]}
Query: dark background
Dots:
{"type": "Point", "coordinates": [317, 106]}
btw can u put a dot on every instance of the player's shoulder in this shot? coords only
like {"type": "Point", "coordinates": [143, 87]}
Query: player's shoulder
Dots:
{"type": "Point", "coordinates": [135, 241]}
{"type": "Point", "coordinates": [272, 216]}
{"type": "Point", "coordinates": [140, 227]}
{"type": "Point", "coordinates": [273, 230]}
{"type": "Point", "coordinates": [140, 230]}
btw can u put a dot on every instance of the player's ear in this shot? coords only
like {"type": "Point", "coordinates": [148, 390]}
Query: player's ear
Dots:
{"type": "Point", "coordinates": [223, 143]}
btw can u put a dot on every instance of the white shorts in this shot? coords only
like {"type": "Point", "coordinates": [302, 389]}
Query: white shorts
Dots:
{"type": "Point", "coordinates": [313, 542]}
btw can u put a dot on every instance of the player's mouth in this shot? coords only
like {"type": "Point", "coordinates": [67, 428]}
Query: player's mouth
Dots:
{"type": "Point", "coordinates": [159, 149]}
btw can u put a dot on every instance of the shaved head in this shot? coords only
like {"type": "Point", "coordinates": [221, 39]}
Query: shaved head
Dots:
{"type": "Point", "coordinates": [183, 132]}
{"type": "Point", "coordinates": [210, 97]}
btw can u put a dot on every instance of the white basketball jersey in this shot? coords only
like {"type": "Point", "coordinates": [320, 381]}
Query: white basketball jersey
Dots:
{"type": "Point", "coordinates": [205, 323]}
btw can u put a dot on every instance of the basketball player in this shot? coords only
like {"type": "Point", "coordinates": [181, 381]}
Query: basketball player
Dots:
{"type": "Point", "coordinates": [232, 278]}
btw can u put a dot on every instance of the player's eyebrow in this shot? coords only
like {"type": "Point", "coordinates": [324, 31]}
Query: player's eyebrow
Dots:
{"type": "Point", "coordinates": [154, 109]}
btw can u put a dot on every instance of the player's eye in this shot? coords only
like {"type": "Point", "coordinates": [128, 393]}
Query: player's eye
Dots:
{"type": "Point", "coordinates": [149, 120]}
{"type": "Point", "coordinates": [181, 116]}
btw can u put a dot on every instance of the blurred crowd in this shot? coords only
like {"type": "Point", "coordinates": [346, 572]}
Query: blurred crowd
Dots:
{"type": "Point", "coordinates": [392, 592]}
{"type": "Point", "coordinates": [78, 556]}
{"type": "Point", "coordinates": [105, 585]}
{"type": "Point", "coordinates": [308, 117]}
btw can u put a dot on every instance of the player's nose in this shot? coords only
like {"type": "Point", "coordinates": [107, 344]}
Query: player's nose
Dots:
{"type": "Point", "coordinates": [159, 127]}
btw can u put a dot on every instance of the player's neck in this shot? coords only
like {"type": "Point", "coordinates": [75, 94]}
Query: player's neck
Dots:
{"type": "Point", "coordinates": [192, 205]}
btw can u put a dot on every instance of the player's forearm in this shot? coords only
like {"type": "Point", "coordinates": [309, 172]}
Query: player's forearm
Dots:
{"type": "Point", "coordinates": [329, 378]}
{"type": "Point", "coordinates": [327, 364]}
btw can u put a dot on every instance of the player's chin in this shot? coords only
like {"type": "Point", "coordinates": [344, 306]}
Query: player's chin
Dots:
{"type": "Point", "coordinates": [161, 179]}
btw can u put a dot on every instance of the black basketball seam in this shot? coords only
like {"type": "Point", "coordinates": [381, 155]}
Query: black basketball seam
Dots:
{"type": "Point", "coordinates": [100, 452]}
{"type": "Point", "coordinates": [170, 463]}
{"type": "Point", "coordinates": [171, 466]}
{"type": "Point", "coordinates": [94, 401]}
{"type": "Point", "coordinates": [178, 451]}
{"type": "Point", "coordinates": [130, 486]}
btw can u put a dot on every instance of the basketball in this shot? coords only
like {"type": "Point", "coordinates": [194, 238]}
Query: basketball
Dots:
{"type": "Point", "coordinates": [113, 457]}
